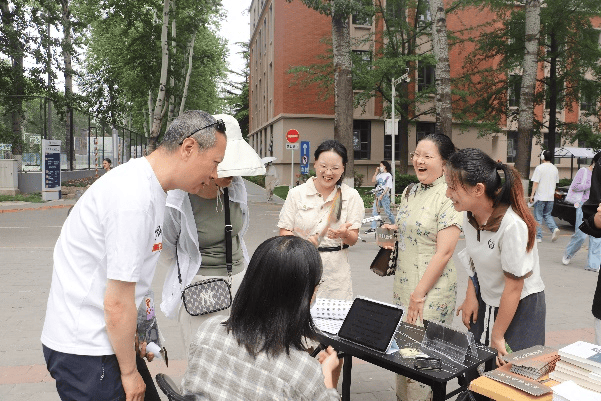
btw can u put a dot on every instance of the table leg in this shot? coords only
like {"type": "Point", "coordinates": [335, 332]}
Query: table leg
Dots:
{"type": "Point", "coordinates": [346, 377]}
{"type": "Point", "coordinates": [439, 392]}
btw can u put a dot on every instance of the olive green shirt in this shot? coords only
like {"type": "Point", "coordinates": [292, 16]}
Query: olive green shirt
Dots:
{"type": "Point", "coordinates": [210, 225]}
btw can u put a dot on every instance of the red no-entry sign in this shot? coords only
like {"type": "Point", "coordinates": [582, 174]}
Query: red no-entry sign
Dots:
{"type": "Point", "coordinates": [292, 136]}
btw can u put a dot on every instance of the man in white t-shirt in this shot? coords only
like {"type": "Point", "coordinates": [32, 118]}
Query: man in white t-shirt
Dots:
{"type": "Point", "coordinates": [105, 259]}
{"type": "Point", "coordinates": [543, 193]}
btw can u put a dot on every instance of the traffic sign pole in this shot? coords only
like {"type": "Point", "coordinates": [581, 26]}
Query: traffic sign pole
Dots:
{"type": "Point", "coordinates": [292, 137]}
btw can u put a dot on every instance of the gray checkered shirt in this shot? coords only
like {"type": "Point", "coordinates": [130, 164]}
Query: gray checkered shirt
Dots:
{"type": "Point", "coordinates": [220, 369]}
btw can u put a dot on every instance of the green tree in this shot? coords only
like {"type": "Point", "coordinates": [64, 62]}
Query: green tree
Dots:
{"type": "Point", "coordinates": [340, 12]}
{"type": "Point", "coordinates": [568, 50]}
{"type": "Point", "coordinates": [127, 59]}
{"type": "Point", "coordinates": [237, 92]}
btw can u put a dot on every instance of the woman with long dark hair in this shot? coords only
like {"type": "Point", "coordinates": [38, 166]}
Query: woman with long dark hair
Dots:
{"type": "Point", "coordinates": [328, 213]}
{"type": "Point", "coordinates": [504, 304]}
{"type": "Point", "coordinates": [258, 353]}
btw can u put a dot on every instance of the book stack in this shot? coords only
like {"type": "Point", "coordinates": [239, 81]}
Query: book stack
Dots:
{"type": "Point", "coordinates": [328, 314]}
{"type": "Point", "coordinates": [581, 363]}
{"type": "Point", "coordinates": [534, 362]}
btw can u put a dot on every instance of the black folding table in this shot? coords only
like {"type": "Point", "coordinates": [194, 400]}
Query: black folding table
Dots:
{"type": "Point", "coordinates": [409, 336]}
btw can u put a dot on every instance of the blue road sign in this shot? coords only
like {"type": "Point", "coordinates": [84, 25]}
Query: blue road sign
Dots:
{"type": "Point", "coordinates": [305, 149]}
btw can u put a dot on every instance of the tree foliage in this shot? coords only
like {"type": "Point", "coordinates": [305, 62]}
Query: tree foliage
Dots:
{"type": "Point", "coordinates": [568, 51]}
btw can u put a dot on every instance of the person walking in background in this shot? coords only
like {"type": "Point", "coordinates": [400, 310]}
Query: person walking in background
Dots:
{"type": "Point", "coordinates": [577, 195]}
{"type": "Point", "coordinates": [328, 213]}
{"type": "Point", "coordinates": [543, 193]}
{"type": "Point", "coordinates": [105, 259]}
{"type": "Point", "coordinates": [271, 179]}
{"type": "Point", "coordinates": [428, 226]}
{"type": "Point", "coordinates": [194, 230]}
{"type": "Point", "coordinates": [384, 182]}
{"type": "Point", "coordinates": [591, 225]}
{"type": "Point", "coordinates": [106, 164]}
{"type": "Point", "coordinates": [504, 304]}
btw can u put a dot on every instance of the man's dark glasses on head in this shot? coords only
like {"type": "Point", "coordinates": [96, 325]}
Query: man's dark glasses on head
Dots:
{"type": "Point", "coordinates": [219, 126]}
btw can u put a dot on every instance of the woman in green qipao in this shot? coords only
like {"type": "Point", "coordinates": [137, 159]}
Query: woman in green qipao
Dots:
{"type": "Point", "coordinates": [428, 229]}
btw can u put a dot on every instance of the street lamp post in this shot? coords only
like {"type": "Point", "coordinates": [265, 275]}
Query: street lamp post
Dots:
{"type": "Point", "coordinates": [403, 78]}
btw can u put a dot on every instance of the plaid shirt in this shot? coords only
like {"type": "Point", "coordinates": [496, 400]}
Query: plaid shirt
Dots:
{"type": "Point", "coordinates": [220, 369]}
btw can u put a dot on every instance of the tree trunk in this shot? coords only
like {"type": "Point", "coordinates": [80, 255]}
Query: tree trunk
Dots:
{"type": "Point", "coordinates": [17, 88]}
{"type": "Point", "coordinates": [190, 56]}
{"type": "Point", "coordinates": [553, 95]}
{"type": "Point", "coordinates": [530, 67]}
{"type": "Point", "coordinates": [68, 74]}
{"type": "Point", "coordinates": [444, 112]}
{"type": "Point", "coordinates": [343, 89]}
{"type": "Point", "coordinates": [403, 136]}
{"type": "Point", "coordinates": [172, 75]}
{"type": "Point", "coordinates": [159, 107]}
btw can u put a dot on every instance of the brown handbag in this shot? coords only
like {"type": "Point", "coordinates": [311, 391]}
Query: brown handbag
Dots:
{"type": "Point", "coordinates": [384, 264]}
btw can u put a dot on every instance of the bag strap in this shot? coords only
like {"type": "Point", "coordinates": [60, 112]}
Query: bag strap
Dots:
{"type": "Point", "coordinates": [228, 232]}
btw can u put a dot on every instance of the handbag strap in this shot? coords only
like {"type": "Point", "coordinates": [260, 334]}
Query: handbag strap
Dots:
{"type": "Point", "coordinates": [228, 232]}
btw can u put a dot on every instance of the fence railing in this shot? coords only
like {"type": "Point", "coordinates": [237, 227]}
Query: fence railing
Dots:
{"type": "Point", "coordinates": [85, 140]}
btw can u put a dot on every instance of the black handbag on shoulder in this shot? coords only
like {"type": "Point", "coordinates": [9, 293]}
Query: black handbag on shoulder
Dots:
{"type": "Point", "coordinates": [214, 294]}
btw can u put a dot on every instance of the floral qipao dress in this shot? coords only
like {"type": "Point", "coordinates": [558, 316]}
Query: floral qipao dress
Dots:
{"type": "Point", "coordinates": [421, 215]}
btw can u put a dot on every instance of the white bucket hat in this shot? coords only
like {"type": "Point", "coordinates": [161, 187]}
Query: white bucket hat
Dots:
{"type": "Point", "coordinates": [240, 158]}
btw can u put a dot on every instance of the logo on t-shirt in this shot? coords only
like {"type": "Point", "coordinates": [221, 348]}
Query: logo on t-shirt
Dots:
{"type": "Point", "coordinates": [491, 244]}
{"type": "Point", "coordinates": [158, 233]}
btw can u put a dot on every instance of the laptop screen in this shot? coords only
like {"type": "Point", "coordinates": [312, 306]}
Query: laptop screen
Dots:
{"type": "Point", "coordinates": [371, 323]}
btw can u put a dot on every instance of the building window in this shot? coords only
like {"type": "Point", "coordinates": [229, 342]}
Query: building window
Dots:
{"type": "Point", "coordinates": [512, 146]}
{"type": "Point", "coordinates": [425, 76]}
{"type": "Point", "coordinates": [588, 103]}
{"type": "Point", "coordinates": [361, 65]}
{"type": "Point", "coordinates": [513, 90]}
{"type": "Point", "coordinates": [394, 9]}
{"type": "Point", "coordinates": [362, 139]}
{"type": "Point", "coordinates": [423, 129]}
{"type": "Point", "coordinates": [363, 18]}
{"type": "Point", "coordinates": [546, 140]}
{"type": "Point", "coordinates": [560, 93]}
{"type": "Point", "coordinates": [424, 13]}
{"type": "Point", "coordinates": [388, 146]}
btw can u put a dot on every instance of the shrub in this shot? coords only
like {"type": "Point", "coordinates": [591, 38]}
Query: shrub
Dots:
{"type": "Point", "coordinates": [402, 180]}
{"type": "Point", "coordinates": [565, 182]}
{"type": "Point", "coordinates": [257, 179]}
{"type": "Point", "coordinates": [358, 179]}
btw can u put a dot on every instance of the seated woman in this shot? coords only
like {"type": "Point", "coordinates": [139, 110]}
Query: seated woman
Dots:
{"type": "Point", "coordinates": [258, 353]}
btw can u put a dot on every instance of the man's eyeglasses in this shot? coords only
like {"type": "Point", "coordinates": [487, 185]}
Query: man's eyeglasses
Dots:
{"type": "Point", "coordinates": [219, 126]}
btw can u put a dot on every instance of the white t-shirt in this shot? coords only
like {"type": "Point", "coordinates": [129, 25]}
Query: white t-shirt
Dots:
{"type": "Point", "coordinates": [499, 252]}
{"type": "Point", "coordinates": [113, 232]}
{"type": "Point", "coordinates": [547, 176]}
{"type": "Point", "coordinates": [386, 179]}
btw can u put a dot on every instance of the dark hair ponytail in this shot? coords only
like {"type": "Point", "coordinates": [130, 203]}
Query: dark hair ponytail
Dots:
{"type": "Point", "coordinates": [470, 167]}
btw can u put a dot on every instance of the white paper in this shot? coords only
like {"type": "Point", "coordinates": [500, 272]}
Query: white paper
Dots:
{"type": "Point", "coordinates": [572, 392]}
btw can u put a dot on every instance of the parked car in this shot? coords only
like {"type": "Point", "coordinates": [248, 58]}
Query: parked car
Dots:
{"type": "Point", "coordinates": [561, 209]}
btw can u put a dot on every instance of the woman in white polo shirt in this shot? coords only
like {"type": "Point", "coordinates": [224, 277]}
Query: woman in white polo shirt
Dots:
{"type": "Point", "coordinates": [504, 304]}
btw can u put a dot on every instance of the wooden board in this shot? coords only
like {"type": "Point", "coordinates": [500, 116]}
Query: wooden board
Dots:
{"type": "Point", "coordinates": [502, 392]}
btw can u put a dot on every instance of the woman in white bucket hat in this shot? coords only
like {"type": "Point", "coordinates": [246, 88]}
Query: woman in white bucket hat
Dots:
{"type": "Point", "coordinates": [194, 234]}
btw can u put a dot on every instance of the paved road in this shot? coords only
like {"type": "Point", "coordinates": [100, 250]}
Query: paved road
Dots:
{"type": "Point", "coordinates": [28, 233]}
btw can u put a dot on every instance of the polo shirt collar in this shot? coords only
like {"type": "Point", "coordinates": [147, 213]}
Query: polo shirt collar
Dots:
{"type": "Point", "coordinates": [311, 190]}
{"type": "Point", "coordinates": [494, 221]}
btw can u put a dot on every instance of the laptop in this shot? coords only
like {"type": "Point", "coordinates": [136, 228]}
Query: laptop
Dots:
{"type": "Point", "coordinates": [371, 323]}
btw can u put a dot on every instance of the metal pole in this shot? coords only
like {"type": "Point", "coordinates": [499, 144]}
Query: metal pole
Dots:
{"type": "Point", "coordinates": [392, 195]}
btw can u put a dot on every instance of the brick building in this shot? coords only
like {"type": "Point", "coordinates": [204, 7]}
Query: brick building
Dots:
{"type": "Point", "coordinates": [284, 35]}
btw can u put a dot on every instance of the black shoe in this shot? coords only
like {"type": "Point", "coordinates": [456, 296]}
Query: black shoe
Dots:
{"type": "Point", "coordinates": [371, 230]}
